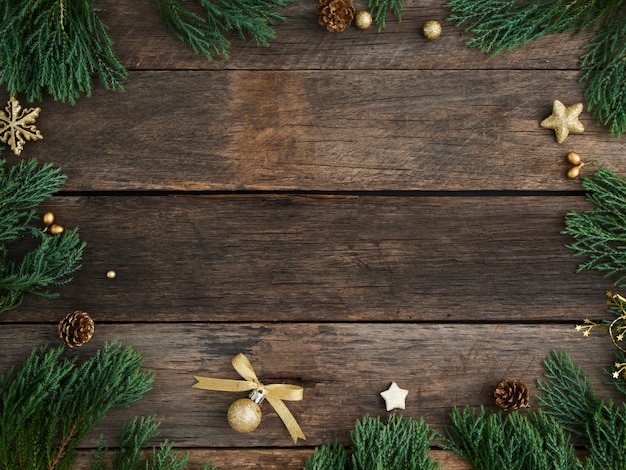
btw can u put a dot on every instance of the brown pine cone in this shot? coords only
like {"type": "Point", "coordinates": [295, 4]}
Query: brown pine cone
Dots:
{"type": "Point", "coordinates": [76, 328]}
{"type": "Point", "coordinates": [512, 395]}
{"type": "Point", "coordinates": [335, 15]}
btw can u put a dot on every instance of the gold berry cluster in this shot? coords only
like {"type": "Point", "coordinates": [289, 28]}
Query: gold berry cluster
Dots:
{"type": "Point", "coordinates": [50, 226]}
{"type": "Point", "coordinates": [577, 163]}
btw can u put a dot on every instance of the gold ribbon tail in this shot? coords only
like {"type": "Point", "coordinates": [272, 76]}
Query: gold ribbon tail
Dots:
{"type": "Point", "coordinates": [290, 422]}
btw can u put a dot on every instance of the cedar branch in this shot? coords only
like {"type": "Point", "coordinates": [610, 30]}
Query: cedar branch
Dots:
{"type": "Point", "coordinates": [63, 446]}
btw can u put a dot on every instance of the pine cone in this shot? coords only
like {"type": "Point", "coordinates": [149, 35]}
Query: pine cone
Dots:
{"type": "Point", "coordinates": [512, 395]}
{"type": "Point", "coordinates": [335, 15]}
{"type": "Point", "coordinates": [76, 328]}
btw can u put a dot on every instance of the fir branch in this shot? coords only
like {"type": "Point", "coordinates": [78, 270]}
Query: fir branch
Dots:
{"type": "Point", "coordinates": [618, 371]}
{"type": "Point", "coordinates": [568, 394]}
{"type": "Point", "coordinates": [52, 262]}
{"type": "Point", "coordinates": [135, 436]}
{"type": "Point", "coordinates": [56, 47]}
{"type": "Point", "coordinates": [401, 443]}
{"type": "Point", "coordinates": [513, 441]}
{"type": "Point", "coordinates": [600, 233]}
{"type": "Point", "coordinates": [499, 25]}
{"type": "Point", "coordinates": [328, 456]}
{"type": "Point", "coordinates": [570, 400]}
{"type": "Point", "coordinates": [55, 258]}
{"type": "Point", "coordinates": [607, 437]}
{"type": "Point", "coordinates": [51, 399]}
{"type": "Point", "coordinates": [379, 9]}
{"type": "Point", "coordinates": [604, 68]}
{"type": "Point", "coordinates": [207, 34]}
{"type": "Point", "coordinates": [22, 188]}
{"type": "Point", "coordinates": [61, 452]}
{"type": "Point", "coordinates": [505, 25]}
{"type": "Point", "coordinates": [132, 454]}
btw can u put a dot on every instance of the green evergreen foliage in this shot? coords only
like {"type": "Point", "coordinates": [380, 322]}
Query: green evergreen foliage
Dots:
{"type": "Point", "coordinates": [512, 441]}
{"type": "Point", "coordinates": [206, 33]}
{"type": "Point", "coordinates": [55, 46]}
{"type": "Point", "coordinates": [600, 233]}
{"type": "Point", "coordinates": [379, 8]}
{"type": "Point", "coordinates": [329, 456]}
{"type": "Point", "coordinates": [570, 400]}
{"type": "Point", "coordinates": [55, 258]}
{"type": "Point", "coordinates": [59, 46]}
{"type": "Point", "coordinates": [51, 403]}
{"type": "Point", "coordinates": [131, 454]}
{"type": "Point", "coordinates": [400, 444]}
{"type": "Point", "coordinates": [568, 394]}
{"type": "Point", "coordinates": [500, 25]}
{"type": "Point", "coordinates": [620, 368]}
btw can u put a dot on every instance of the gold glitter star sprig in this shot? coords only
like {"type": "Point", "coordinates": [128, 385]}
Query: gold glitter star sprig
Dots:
{"type": "Point", "coordinates": [620, 369]}
{"type": "Point", "coordinates": [17, 125]}
{"type": "Point", "coordinates": [587, 326]}
{"type": "Point", "coordinates": [616, 328]}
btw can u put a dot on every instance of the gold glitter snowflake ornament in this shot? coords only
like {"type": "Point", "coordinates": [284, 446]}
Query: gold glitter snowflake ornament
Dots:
{"type": "Point", "coordinates": [17, 125]}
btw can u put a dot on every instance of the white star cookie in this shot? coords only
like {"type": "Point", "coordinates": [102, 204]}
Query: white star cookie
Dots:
{"type": "Point", "coordinates": [394, 397]}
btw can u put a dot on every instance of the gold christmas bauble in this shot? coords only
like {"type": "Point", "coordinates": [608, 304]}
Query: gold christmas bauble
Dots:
{"type": "Point", "coordinates": [244, 415]}
{"type": "Point", "coordinates": [111, 274]}
{"type": "Point", "coordinates": [56, 229]}
{"type": "Point", "coordinates": [431, 29]}
{"type": "Point", "coordinates": [363, 19]}
{"type": "Point", "coordinates": [574, 158]}
{"type": "Point", "coordinates": [48, 218]}
{"type": "Point", "coordinates": [573, 172]}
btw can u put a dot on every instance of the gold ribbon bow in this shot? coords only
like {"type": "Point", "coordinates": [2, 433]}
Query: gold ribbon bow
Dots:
{"type": "Point", "coordinates": [274, 393]}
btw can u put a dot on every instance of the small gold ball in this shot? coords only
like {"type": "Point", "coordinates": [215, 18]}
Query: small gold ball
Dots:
{"type": "Point", "coordinates": [574, 158]}
{"type": "Point", "coordinates": [56, 229]}
{"type": "Point", "coordinates": [431, 29]}
{"type": "Point", "coordinates": [363, 19]}
{"type": "Point", "coordinates": [573, 172]}
{"type": "Point", "coordinates": [48, 218]}
{"type": "Point", "coordinates": [244, 415]}
{"type": "Point", "coordinates": [111, 274]}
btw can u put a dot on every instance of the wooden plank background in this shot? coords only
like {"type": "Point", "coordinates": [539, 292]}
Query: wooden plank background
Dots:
{"type": "Point", "coordinates": [347, 209]}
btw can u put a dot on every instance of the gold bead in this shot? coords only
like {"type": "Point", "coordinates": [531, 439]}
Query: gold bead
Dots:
{"type": "Point", "coordinates": [363, 19]}
{"type": "Point", "coordinates": [56, 229]}
{"type": "Point", "coordinates": [573, 172]}
{"type": "Point", "coordinates": [111, 274]}
{"type": "Point", "coordinates": [431, 29]}
{"type": "Point", "coordinates": [244, 415]}
{"type": "Point", "coordinates": [574, 158]}
{"type": "Point", "coordinates": [48, 219]}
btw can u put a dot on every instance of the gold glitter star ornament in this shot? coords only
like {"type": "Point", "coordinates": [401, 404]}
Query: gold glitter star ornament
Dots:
{"type": "Point", "coordinates": [17, 125]}
{"type": "Point", "coordinates": [564, 120]}
{"type": "Point", "coordinates": [394, 397]}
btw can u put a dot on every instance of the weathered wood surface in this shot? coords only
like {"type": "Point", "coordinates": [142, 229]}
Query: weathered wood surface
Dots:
{"type": "Point", "coordinates": [319, 258]}
{"type": "Point", "coordinates": [143, 42]}
{"type": "Point", "coordinates": [348, 209]}
{"type": "Point", "coordinates": [342, 367]}
{"type": "Point", "coordinates": [360, 130]}
{"type": "Point", "coordinates": [274, 459]}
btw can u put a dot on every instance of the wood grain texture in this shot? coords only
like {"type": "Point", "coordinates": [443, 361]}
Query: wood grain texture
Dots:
{"type": "Point", "coordinates": [316, 258]}
{"type": "Point", "coordinates": [322, 131]}
{"type": "Point", "coordinates": [274, 459]}
{"type": "Point", "coordinates": [143, 42]}
{"type": "Point", "coordinates": [347, 209]}
{"type": "Point", "coordinates": [342, 368]}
